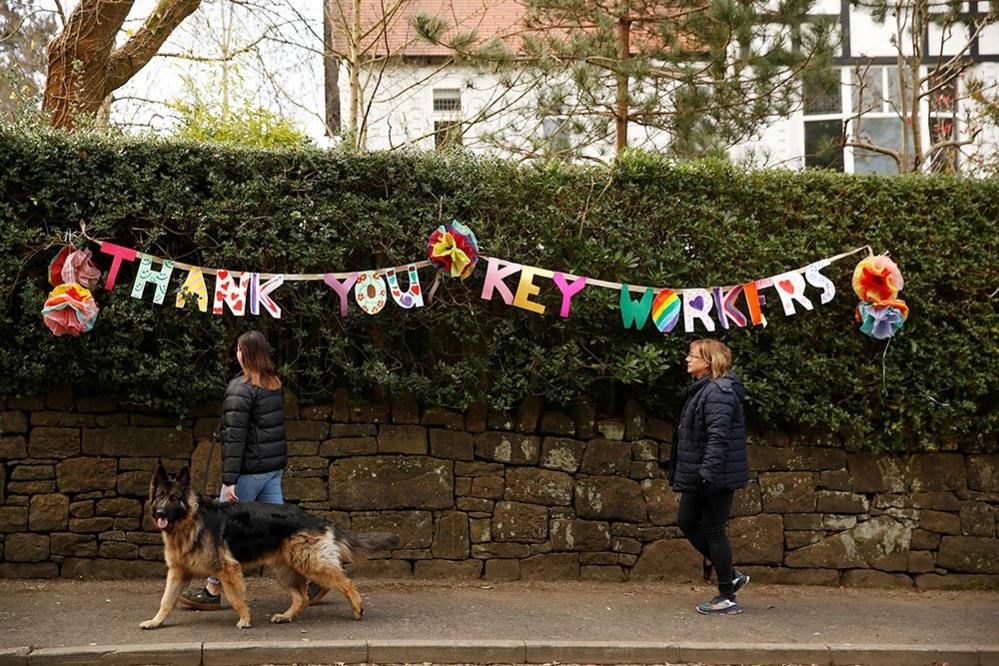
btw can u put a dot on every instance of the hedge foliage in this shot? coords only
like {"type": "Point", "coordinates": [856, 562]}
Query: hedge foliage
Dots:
{"type": "Point", "coordinates": [642, 221]}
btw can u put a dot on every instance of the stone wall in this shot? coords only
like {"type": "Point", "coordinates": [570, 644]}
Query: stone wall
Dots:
{"type": "Point", "coordinates": [530, 494]}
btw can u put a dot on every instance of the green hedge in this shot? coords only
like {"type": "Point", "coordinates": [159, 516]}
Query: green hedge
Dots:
{"type": "Point", "coordinates": [643, 221]}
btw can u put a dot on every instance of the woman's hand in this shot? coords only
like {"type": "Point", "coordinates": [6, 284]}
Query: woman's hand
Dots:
{"type": "Point", "coordinates": [229, 494]}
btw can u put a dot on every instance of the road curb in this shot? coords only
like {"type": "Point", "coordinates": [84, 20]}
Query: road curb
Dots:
{"type": "Point", "coordinates": [498, 652]}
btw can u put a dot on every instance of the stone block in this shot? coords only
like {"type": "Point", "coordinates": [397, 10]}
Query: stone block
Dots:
{"type": "Point", "coordinates": [938, 501]}
{"type": "Point", "coordinates": [391, 482]}
{"type": "Point", "coordinates": [489, 487]}
{"type": "Point", "coordinates": [550, 566]}
{"type": "Point", "coordinates": [584, 414]}
{"type": "Point", "coordinates": [510, 448]}
{"type": "Point", "coordinates": [415, 528]}
{"type": "Point", "coordinates": [983, 473]}
{"type": "Point", "coordinates": [438, 417]}
{"type": "Point", "coordinates": [67, 544]}
{"type": "Point", "coordinates": [938, 471]}
{"type": "Point", "coordinates": [538, 486]}
{"type": "Point", "coordinates": [880, 542]}
{"type": "Point", "coordinates": [29, 570]}
{"type": "Point", "coordinates": [436, 569]}
{"type": "Point", "coordinates": [787, 492]}
{"type": "Point", "coordinates": [48, 513]}
{"type": "Point", "coordinates": [877, 474]}
{"type": "Point", "coordinates": [562, 454]}
{"type": "Point", "coordinates": [340, 430]}
{"type": "Point", "coordinates": [54, 442]}
{"type": "Point", "coordinates": [451, 538]}
{"type": "Point", "coordinates": [612, 429]}
{"type": "Point", "coordinates": [977, 519]}
{"type": "Point", "coordinates": [634, 420]}
{"type": "Point", "coordinates": [13, 422]}
{"type": "Point", "coordinates": [480, 530]}
{"type": "Point", "coordinates": [835, 479]}
{"type": "Point", "coordinates": [832, 501]}
{"type": "Point", "coordinates": [873, 578]}
{"type": "Point", "coordinates": [580, 535]}
{"type": "Point", "coordinates": [557, 423]}
{"type": "Point", "coordinates": [671, 559]}
{"type": "Point", "coordinates": [142, 442]}
{"type": "Point", "coordinates": [60, 398]}
{"type": "Point", "coordinates": [502, 570]}
{"type": "Point", "coordinates": [408, 439]}
{"type": "Point", "coordinates": [475, 417]}
{"type": "Point", "coordinates": [374, 413]}
{"type": "Point", "coordinates": [514, 521]}
{"type": "Point", "coordinates": [78, 475]}
{"type": "Point", "coordinates": [348, 446]}
{"type": "Point", "coordinates": [383, 569]}
{"type": "Point", "coordinates": [451, 444]}
{"type": "Point", "coordinates": [26, 547]}
{"type": "Point", "coordinates": [316, 412]}
{"type": "Point", "coordinates": [748, 501]}
{"type": "Point", "coordinates": [939, 521]}
{"type": "Point", "coordinates": [13, 519]}
{"type": "Point", "coordinates": [528, 414]}
{"type": "Point", "coordinates": [306, 430]}
{"type": "Point", "coordinates": [607, 574]}
{"type": "Point", "coordinates": [967, 554]}
{"type": "Point", "coordinates": [610, 498]}
{"type": "Point", "coordinates": [758, 539]}
{"type": "Point", "coordinates": [12, 447]}
{"type": "Point", "coordinates": [404, 410]}
{"type": "Point", "coordinates": [304, 489]}
{"type": "Point", "coordinates": [608, 457]}
{"type": "Point", "coordinates": [924, 540]}
{"type": "Point", "coordinates": [662, 502]}
{"type": "Point", "coordinates": [921, 561]}
{"type": "Point", "coordinates": [501, 550]}
{"type": "Point", "coordinates": [659, 429]}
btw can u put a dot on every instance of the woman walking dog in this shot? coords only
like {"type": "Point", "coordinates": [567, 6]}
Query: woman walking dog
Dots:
{"type": "Point", "coordinates": [254, 450]}
{"type": "Point", "coordinates": [709, 462]}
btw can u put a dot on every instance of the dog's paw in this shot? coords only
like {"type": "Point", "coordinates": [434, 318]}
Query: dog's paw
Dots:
{"type": "Point", "coordinates": [149, 624]}
{"type": "Point", "coordinates": [243, 624]}
{"type": "Point", "coordinates": [280, 618]}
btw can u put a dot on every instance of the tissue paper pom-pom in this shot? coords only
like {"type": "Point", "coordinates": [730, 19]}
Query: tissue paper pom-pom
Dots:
{"type": "Point", "coordinates": [79, 267]}
{"type": "Point", "coordinates": [882, 320]}
{"type": "Point", "coordinates": [56, 266]}
{"type": "Point", "coordinates": [453, 250]}
{"type": "Point", "coordinates": [69, 310]}
{"type": "Point", "coordinates": [877, 279]}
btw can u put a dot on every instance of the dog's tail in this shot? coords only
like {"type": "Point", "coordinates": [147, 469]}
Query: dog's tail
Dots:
{"type": "Point", "coordinates": [362, 543]}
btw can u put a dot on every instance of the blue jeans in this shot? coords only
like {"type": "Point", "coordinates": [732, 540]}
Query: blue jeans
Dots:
{"type": "Point", "coordinates": [264, 487]}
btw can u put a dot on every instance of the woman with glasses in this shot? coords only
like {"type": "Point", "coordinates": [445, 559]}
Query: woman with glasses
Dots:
{"type": "Point", "coordinates": [709, 463]}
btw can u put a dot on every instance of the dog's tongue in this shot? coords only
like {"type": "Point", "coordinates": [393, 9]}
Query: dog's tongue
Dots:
{"type": "Point", "coordinates": [162, 523]}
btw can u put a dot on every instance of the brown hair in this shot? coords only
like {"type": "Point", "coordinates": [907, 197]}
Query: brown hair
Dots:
{"type": "Point", "coordinates": [718, 356]}
{"type": "Point", "coordinates": [258, 368]}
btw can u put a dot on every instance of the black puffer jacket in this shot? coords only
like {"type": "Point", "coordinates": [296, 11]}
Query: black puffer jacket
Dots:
{"type": "Point", "coordinates": [710, 446]}
{"type": "Point", "coordinates": [253, 438]}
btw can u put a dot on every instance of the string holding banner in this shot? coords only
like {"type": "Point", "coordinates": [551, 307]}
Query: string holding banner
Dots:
{"type": "Point", "coordinates": [454, 252]}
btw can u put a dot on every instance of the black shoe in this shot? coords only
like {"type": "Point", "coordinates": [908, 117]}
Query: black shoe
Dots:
{"type": "Point", "coordinates": [202, 600]}
{"type": "Point", "coordinates": [739, 581]}
{"type": "Point", "coordinates": [719, 606]}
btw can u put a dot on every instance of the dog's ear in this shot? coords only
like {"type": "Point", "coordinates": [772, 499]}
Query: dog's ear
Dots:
{"type": "Point", "coordinates": [184, 477]}
{"type": "Point", "coordinates": [159, 478]}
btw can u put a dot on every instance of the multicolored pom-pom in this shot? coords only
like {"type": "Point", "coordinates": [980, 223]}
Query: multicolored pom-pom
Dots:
{"type": "Point", "coordinates": [877, 281]}
{"type": "Point", "coordinates": [453, 250]}
{"type": "Point", "coordinates": [70, 309]}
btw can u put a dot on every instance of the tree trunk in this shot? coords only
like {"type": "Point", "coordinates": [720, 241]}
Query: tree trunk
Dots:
{"type": "Point", "coordinates": [83, 70]}
{"type": "Point", "coordinates": [331, 72]}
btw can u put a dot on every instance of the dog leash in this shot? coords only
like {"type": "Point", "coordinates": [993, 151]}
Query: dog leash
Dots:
{"type": "Point", "coordinates": [214, 439]}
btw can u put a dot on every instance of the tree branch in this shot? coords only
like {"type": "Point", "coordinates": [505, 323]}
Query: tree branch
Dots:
{"type": "Point", "coordinates": [124, 62]}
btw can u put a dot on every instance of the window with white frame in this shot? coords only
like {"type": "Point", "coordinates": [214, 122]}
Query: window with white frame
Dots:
{"type": "Point", "coordinates": [447, 100]}
{"type": "Point", "coordinates": [833, 99]}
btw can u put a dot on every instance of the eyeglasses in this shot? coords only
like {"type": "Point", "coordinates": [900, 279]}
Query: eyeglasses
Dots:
{"type": "Point", "coordinates": [690, 357]}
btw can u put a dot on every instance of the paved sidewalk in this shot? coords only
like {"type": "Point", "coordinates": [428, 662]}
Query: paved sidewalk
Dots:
{"type": "Point", "coordinates": [62, 622]}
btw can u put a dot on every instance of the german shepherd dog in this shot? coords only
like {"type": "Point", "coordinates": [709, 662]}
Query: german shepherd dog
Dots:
{"type": "Point", "coordinates": [205, 537]}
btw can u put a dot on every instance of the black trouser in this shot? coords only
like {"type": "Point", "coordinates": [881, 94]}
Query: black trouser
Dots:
{"type": "Point", "coordinates": [702, 517]}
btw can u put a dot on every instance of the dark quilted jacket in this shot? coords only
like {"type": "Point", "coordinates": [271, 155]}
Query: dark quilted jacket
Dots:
{"type": "Point", "coordinates": [710, 447]}
{"type": "Point", "coordinates": [253, 439]}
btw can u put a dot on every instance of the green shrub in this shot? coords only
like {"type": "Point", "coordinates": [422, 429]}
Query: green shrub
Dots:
{"type": "Point", "coordinates": [643, 221]}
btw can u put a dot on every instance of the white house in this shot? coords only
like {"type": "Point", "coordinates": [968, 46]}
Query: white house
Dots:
{"type": "Point", "coordinates": [418, 96]}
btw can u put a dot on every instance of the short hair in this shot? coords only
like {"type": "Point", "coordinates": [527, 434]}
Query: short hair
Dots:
{"type": "Point", "coordinates": [716, 353]}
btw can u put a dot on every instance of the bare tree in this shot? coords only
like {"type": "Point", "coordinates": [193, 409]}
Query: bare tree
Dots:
{"type": "Point", "coordinates": [914, 92]}
{"type": "Point", "coordinates": [84, 64]}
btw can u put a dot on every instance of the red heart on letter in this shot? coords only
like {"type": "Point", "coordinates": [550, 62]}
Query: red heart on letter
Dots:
{"type": "Point", "coordinates": [787, 286]}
